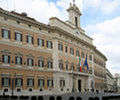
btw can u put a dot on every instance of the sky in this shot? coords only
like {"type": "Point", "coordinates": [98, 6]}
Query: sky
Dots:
{"type": "Point", "coordinates": [100, 19]}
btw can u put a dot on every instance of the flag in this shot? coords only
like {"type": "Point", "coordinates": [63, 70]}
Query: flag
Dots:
{"type": "Point", "coordinates": [86, 63]}
{"type": "Point", "coordinates": [80, 64]}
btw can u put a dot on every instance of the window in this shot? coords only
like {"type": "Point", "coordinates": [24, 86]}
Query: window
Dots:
{"type": "Point", "coordinates": [6, 59]}
{"type": "Point", "coordinates": [50, 83]}
{"type": "Point", "coordinates": [60, 46]}
{"type": "Point", "coordinates": [61, 65]}
{"type": "Point", "coordinates": [90, 57]}
{"type": "Point", "coordinates": [66, 65]}
{"type": "Point", "coordinates": [66, 49]}
{"type": "Point", "coordinates": [18, 82]}
{"type": "Point", "coordinates": [83, 55]}
{"type": "Point", "coordinates": [72, 66]}
{"type": "Point", "coordinates": [18, 60]}
{"type": "Point", "coordinates": [62, 83]}
{"type": "Point", "coordinates": [30, 82]}
{"type": "Point", "coordinates": [41, 63]}
{"type": "Point", "coordinates": [5, 82]}
{"type": "Point", "coordinates": [72, 51]}
{"type": "Point", "coordinates": [76, 21]}
{"type": "Point", "coordinates": [41, 82]}
{"type": "Point", "coordinates": [40, 42]}
{"type": "Point", "coordinates": [6, 34]}
{"type": "Point", "coordinates": [49, 45]}
{"type": "Point", "coordinates": [50, 64]}
{"type": "Point", "coordinates": [30, 62]}
{"type": "Point", "coordinates": [29, 39]}
{"type": "Point", "coordinates": [18, 37]}
{"type": "Point", "coordinates": [77, 53]}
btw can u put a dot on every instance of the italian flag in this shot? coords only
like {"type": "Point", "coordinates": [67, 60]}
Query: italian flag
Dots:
{"type": "Point", "coordinates": [80, 64]}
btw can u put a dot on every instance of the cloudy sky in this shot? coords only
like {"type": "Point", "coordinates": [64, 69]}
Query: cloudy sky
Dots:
{"type": "Point", "coordinates": [100, 19]}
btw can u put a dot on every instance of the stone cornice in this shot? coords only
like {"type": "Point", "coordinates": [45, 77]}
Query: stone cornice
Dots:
{"type": "Point", "coordinates": [35, 23]}
{"type": "Point", "coordinates": [82, 31]}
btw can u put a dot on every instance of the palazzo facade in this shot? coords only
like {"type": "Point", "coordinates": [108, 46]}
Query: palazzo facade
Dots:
{"type": "Point", "coordinates": [37, 58]}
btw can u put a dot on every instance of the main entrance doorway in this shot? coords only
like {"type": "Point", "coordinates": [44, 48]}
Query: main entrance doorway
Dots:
{"type": "Point", "coordinates": [79, 85]}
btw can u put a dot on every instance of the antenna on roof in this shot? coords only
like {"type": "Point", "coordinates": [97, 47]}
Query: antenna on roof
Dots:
{"type": "Point", "coordinates": [73, 1]}
{"type": "Point", "coordinates": [14, 5]}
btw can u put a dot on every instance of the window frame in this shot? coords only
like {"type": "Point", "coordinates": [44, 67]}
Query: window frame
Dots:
{"type": "Point", "coordinates": [8, 34]}
{"type": "Point", "coordinates": [18, 40]}
{"type": "Point", "coordinates": [16, 60]}
{"type": "Point", "coordinates": [32, 63]}
{"type": "Point", "coordinates": [8, 58]}
{"type": "Point", "coordinates": [31, 39]}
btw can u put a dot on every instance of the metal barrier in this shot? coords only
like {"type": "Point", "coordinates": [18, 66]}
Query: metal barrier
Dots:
{"type": "Point", "coordinates": [72, 98]}
{"type": "Point", "coordinates": [52, 98]}
{"type": "Point", "coordinates": [59, 98]}
{"type": "Point", "coordinates": [79, 98]}
{"type": "Point", "coordinates": [75, 96]}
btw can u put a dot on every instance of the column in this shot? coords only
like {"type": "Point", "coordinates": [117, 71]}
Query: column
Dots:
{"type": "Point", "coordinates": [55, 54]}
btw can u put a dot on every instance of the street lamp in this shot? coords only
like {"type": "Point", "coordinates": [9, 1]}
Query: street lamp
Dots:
{"type": "Point", "coordinates": [73, 80]}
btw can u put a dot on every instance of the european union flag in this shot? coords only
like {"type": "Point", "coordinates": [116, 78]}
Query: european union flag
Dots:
{"type": "Point", "coordinates": [86, 63]}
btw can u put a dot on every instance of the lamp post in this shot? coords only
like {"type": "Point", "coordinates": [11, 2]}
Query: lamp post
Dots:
{"type": "Point", "coordinates": [13, 82]}
{"type": "Point", "coordinates": [73, 80]}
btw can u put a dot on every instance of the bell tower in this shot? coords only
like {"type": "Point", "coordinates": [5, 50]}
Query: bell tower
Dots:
{"type": "Point", "coordinates": [74, 14]}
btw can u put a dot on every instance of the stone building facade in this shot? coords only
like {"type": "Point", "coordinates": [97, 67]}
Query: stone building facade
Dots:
{"type": "Point", "coordinates": [36, 58]}
{"type": "Point", "coordinates": [110, 81]}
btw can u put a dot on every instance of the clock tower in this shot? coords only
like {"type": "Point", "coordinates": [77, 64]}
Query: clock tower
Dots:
{"type": "Point", "coordinates": [74, 14]}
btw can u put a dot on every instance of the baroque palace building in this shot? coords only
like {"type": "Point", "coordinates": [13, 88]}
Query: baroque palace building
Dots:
{"type": "Point", "coordinates": [36, 58]}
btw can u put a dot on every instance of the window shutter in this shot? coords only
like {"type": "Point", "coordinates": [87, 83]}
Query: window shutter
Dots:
{"type": "Point", "coordinates": [16, 82]}
{"type": "Point", "coordinates": [32, 40]}
{"type": "Point", "coordinates": [48, 83]}
{"type": "Point", "coordinates": [32, 62]}
{"type": "Point", "coordinates": [2, 58]}
{"type": "Point", "coordinates": [33, 82]}
{"type": "Point", "coordinates": [21, 37]}
{"type": "Point", "coordinates": [9, 82]}
{"type": "Point", "coordinates": [27, 61]}
{"type": "Point", "coordinates": [38, 41]}
{"type": "Point", "coordinates": [9, 59]}
{"type": "Point", "coordinates": [64, 83]}
{"type": "Point", "coordinates": [21, 82]}
{"type": "Point", "coordinates": [42, 42]}
{"type": "Point", "coordinates": [43, 63]}
{"type": "Point", "coordinates": [15, 60]}
{"type": "Point", "coordinates": [21, 60]}
{"type": "Point", "coordinates": [52, 83]}
{"type": "Point", "coordinates": [47, 44]}
{"type": "Point", "coordinates": [2, 32]}
{"type": "Point", "coordinates": [38, 62]}
{"type": "Point", "coordinates": [27, 82]}
{"type": "Point", "coordinates": [9, 34]}
{"type": "Point", "coordinates": [2, 81]}
{"type": "Point", "coordinates": [51, 64]}
{"type": "Point", "coordinates": [15, 35]}
{"type": "Point", "coordinates": [51, 45]}
{"type": "Point", "coordinates": [27, 38]}
{"type": "Point", "coordinates": [43, 82]}
{"type": "Point", "coordinates": [38, 82]}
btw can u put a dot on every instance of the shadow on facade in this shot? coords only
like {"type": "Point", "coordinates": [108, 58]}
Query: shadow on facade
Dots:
{"type": "Point", "coordinates": [71, 98]}
{"type": "Point", "coordinates": [52, 98]}
{"type": "Point", "coordinates": [78, 98]}
{"type": "Point", "coordinates": [24, 98]}
{"type": "Point", "coordinates": [40, 98]}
